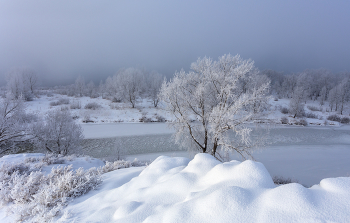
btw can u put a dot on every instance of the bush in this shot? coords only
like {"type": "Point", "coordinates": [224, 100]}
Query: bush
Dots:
{"type": "Point", "coordinates": [87, 119]}
{"type": "Point", "coordinates": [92, 106]}
{"type": "Point", "coordinates": [302, 122]}
{"type": "Point", "coordinates": [345, 120]}
{"type": "Point", "coordinates": [61, 101]}
{"type": "Point", "coordinates": [75, 105]}
{"type": "Point", "coordinates": [116, 100]}
{"type": "Point", "coordinates": [284, 110]}
{"type": "Point", "coordinates": [311, 115]}
{"type": "Point", "coordinates": [36, 197]}
{"type": "Point", "coordinates": [334, 118]}
{"type": "Point", "coordinates": [145, 119]}
{"type": "Point", "coordinates": [284, 120]}
{"type": "Point", "coordinates": [160, 118]}
{"type": "Point", "coordinates": [314, 108]}
{"type": "Point", "coordinates": [278, 180]}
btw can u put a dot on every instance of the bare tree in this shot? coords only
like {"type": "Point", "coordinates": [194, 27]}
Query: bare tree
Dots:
{"type": "Point", "coordinates": [58, 132]}
{"type": "Point", "coordinates": [21, 83]}
{"type": "Point", "coordinates": [13, 126]}
{"type": "Point", "coordinates": [130, 83]}
{"type": "Point", "coordinates": [80, 86]}
{"type": "Point", "coordinates": [213, 99]}
{"type": "Point", "coordinates": [154, 83]}
{"type": "Point", "coordinates": [31, 80]}
{"type": "Point", "coordinates": [296, 107]}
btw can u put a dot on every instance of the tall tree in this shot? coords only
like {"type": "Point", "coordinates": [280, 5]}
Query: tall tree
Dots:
{"type": "Point", "coordinates": [211, 100]}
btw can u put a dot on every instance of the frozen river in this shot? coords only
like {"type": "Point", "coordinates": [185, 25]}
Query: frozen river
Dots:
{"type": "Point", "coordinates": [307, 154]}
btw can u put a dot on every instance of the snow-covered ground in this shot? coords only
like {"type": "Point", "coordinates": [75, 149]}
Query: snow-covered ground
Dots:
{"type": "Point", "coordinates": [111, 112]}
{"type": "Point", "coordinates": [205, 190]}
{"type": "Point", "coordinates": [178, 189]}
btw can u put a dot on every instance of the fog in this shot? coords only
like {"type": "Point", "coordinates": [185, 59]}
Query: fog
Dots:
{"type": "Point", "coordinates": [64, 39]}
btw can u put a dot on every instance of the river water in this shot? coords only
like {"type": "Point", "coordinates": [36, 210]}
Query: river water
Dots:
{"type": "Point", "coordinates": [306, 154]}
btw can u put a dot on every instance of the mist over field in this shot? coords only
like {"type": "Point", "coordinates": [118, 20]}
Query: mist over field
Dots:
{"type": "Point", "coordinates": [61, 40]}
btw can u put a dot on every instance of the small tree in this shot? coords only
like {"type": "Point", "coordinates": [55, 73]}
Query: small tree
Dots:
{"type": "Point", "coordinates": [296, 108]}
{"type": "Point", "coordinates": [130, 84]}
{"type": "Point", "coordinates": [21, 83]}
{"type": "Point", "coordinates": [80, 86]}
{"type": "Point", "coordinates": [58, 133]}
{"type": "Point", "coordinates": [13, 126]}
{"type": "Point", "coordinates": [214, 98]}
{"type": "Point", "coordinates": [154, 83]}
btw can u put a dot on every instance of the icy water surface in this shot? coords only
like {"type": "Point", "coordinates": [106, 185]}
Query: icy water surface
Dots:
{"type": "Point", "coordinates": [307, 154]}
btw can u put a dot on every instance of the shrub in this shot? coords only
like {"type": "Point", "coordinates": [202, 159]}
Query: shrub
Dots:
{"type": "Point", "coordinates": [145, 119]}
{"type": "Point", "coordinates": [302, 122]}
{"type": "Point", "coordinates": [345, 120]}
{"type": "Point", "coordinates": [284, 110]}
{"type": "Point", "coordinates": [334, 118]}
{"type": "Point", "coordinates": [117, 100]}
{"type": "Point", "coordinates": [92, 106]}
{"type": "Point", "coordinates": [75, 105]}
{"type": "Point", "coordinates": [61, 101]}
{"type": "Point", "coordinates": [36, 197]}
{"type": "Point", "coordinates": [311, 115]}
{"type": "Point", "coordinates": [284, 120]}
{"type": "Point", "coordinates": [87, 119]}
{"type": "Point", "coordinates": [279, 180]}
{"type": "Point", "coordinates": [160, 118]}
{"type": "Point", "coordinates": [314, 108]}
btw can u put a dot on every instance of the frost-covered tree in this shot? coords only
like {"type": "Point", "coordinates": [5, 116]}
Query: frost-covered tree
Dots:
{"type": "Point", "coordinates": [339, 95]}
{"type": "Point", "coordinates": [296, 106]}
{"type": "Point", "coordinates": [130, 84]}
{"type": "Point", "coordinates": [58, 133]}
{"type": "Point", "coordinates": [21, 83]}
{"type": "Point", "coordinates": [154, 83]}
{"type": "Point", "coordinates": [91, 90]}
{"type": "Point", "coordinates": [80, 86]}
{"type": "Point", "coordinates": [344, 93]}
{"type": "Point", "coordinates": [210, 101]}
{"type": "Point", "coordinates": [13, 123]}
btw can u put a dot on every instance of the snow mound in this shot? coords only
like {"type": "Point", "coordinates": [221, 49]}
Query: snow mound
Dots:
{"type": "Point", "coordinates": [205, 190]}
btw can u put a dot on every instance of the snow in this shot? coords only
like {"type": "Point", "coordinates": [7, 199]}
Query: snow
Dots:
{"type": "Point", "coordinates": [76, 162]}
{"type": "Point", "coordinates": [174, 189]}
{"type": "Point", "coordinates": [123, 113]}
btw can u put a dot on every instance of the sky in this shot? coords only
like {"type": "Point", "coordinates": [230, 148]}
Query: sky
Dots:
{"type": "Point", "coordinates": [62, 39]}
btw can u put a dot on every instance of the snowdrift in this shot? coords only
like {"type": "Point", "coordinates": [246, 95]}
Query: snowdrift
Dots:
{"type": "Point", "coordinates": [205, 190]}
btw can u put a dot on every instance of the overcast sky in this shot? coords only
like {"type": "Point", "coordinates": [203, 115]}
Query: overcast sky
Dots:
{"type": "Point", "coordinates": [62, 39]}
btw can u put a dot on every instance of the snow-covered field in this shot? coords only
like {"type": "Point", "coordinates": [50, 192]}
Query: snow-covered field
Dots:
{"type": "Point", "coordinates": [111, 112]}
{"type": "Point", "coordinates": [205, 190]}
{"type": "Point", "coordinates": [177, 189]}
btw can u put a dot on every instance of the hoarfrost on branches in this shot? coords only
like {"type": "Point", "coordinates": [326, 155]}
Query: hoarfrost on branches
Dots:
{"type": "Point", "coordinates": [58, 132]}
{"type": "Point", "coordinates": [214, 98]}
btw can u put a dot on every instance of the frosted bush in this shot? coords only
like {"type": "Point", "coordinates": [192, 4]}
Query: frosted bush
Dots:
{"type": "Point", "coordinates": [61, 101]}
{"type": "Point", "coordinates": [345, 120]}
{"type": "Point", "coordinates": [284, 110]}
{"type": "Point", "coordinates": [334, 118]}
{"type": "Point", "coordinates": [92, 106]}
{"type": "Point", "coordinates": [301, 122]}
{"type": "Point", "coordinates": [119, 164]}
{"type": "Point", "coordinates": [37, 197]}
{"type": "Point", "coordinates": [314, 108]}
{"type": "Point", "coordinates": [75, 105]}
{"type": "Point", "coordinates": [311, 115]}
{"type": "Point", "coordinates": [284, 120]}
